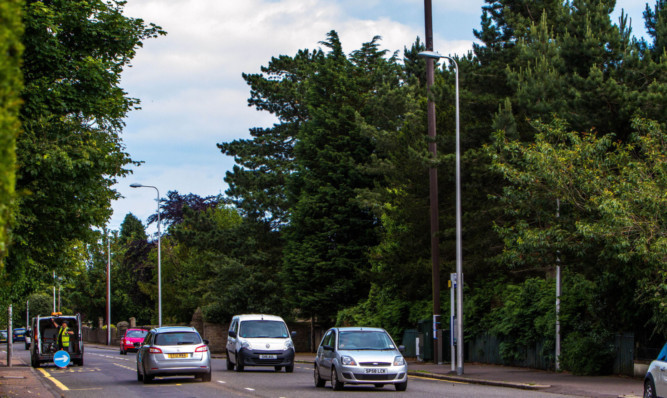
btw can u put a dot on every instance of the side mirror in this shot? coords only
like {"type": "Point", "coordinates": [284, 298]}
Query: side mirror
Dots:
{"type": "Point", "coordinates": [401, 348]}
{"type": "Point", "coordinates": [137, 345]}
{"type": "Point", "coordinates": [293, 333]}
{"type": "Point", "coordinates": [205, 341]}
{"type": "Point", "coordinates": [232, 333]}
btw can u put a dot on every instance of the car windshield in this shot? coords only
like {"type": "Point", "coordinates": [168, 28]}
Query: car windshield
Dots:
{"type": "Point", "coordinates": [263, 329]}
{"type": "Point", "coordinates": [177, 338]}
{"type": "Point", "coordinates": [136, 333]}
{"type": "Point", "coordinates": [364, 340]}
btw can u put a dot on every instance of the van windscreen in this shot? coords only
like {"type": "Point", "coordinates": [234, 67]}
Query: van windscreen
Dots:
{"type": "Point", "coordinates": [263, 329]}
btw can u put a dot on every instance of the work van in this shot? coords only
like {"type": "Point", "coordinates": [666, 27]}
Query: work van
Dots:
{"type": "Point", "coordinates": [259, 340]}
{"type": "Point", "coordinates": [45, 338]}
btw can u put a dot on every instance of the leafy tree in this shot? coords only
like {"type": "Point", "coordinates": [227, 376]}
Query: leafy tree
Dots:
{"type": "Point", "coordinates": [656, 24]}
{"type": "Point", "coordinates": [11, 29]}
{"type": "Point", "coordinates": [131, 229]}
{"type": "Point", "coordinates": [611, 230]}
{"type": "Point", "coordinates": [70, 153]}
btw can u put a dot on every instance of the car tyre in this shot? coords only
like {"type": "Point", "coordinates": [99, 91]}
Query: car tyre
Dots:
{"type": "Point", "coordinates": [336, 384]}
{"type": "Point", "coordinates": [34, 362]}
{"type": "Point", "coordinates": [289, 368]}
{"type": "Point", "coordinates": [401, 386]}
{"type": "Point", "coordinates": [148, 379]}
{"type": "Point", "coordinates": [649, 389]}
{"type": "Point", "coordinates": [239, 362]}
{"type": "Point", "coordinates": [206, 377]}
{"type": "Point", "coordinates": [140, 377]}
{"type": "Point", "coordinates": [230, 365]}
{"type": "Point", "coordinates": [319, 381]}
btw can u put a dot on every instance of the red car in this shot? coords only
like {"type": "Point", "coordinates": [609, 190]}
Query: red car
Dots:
{"type": "Point", "coordinates": [130, 337]}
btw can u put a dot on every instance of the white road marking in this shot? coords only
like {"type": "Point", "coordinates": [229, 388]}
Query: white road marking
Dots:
{"type": "Point", "coordinates": [250, 389]}
{"type": "Point", "coordinates": [222, 382]}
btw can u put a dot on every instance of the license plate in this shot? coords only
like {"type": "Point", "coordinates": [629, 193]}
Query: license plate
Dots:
{"type": "Point", "coordinates": [375, 371]}
{"type": "Point", "coordinates": [268, 356]}
{"type": "Point", "coordinates": [179, 355]}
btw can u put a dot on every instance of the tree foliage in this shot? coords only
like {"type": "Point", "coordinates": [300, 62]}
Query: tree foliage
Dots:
{"type": "Point", "coordinates": [70, 152]}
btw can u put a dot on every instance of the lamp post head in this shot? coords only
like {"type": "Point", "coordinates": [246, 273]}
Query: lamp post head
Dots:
{"type": "Point", "coordinates": [431, 54]}
{"type": "Point", "coordinates": [136, 185]}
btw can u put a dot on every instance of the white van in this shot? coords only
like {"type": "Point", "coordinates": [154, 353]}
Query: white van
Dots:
{"type": "Point", "coordinates": [259, 340]}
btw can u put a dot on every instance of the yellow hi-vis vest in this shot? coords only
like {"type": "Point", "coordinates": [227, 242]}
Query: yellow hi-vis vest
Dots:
{"type": "Point", "coordinates": [64, 336]}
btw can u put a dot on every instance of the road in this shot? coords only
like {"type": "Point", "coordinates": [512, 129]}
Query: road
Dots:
{"type": "Point", "coordinates": [107, 373]}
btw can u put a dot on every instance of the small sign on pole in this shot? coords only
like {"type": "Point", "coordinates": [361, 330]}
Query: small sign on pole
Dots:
{"type": "Point", "coordinates": [61, 359]}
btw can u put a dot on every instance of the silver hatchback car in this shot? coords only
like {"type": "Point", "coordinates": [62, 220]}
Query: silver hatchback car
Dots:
{"type": "Point", "coordinates": [360, 355]}
{"type": "Point", "coordinates": [173, 351]}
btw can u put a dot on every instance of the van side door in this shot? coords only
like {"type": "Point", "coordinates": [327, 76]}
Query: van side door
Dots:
{"type": "Point", "coordinates": [232, 340]}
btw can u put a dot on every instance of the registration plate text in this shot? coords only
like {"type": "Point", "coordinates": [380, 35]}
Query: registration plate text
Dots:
{"type": "Point", "coordinates": [376, 370]}
{"type": "Point", "coordinates": [179, 355]}
{"type": "Point", "coordinates": [268, 356]}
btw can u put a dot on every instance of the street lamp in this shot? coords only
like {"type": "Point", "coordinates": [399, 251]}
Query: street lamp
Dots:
{"type": "Point", "coordinates": [159, 258]}
{"type": "Point", "coordinates": [459, 257]}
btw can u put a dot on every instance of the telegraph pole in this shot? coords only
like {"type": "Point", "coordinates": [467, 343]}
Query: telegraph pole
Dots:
{"type": "Point", "coordinates": [433, 182]}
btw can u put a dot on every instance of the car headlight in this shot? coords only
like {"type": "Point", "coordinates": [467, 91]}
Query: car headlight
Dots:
{"type": "Point", "coordinates": [399, 361]}
{"type": "Point", "coordinates": [347, 361]}
{"type": "Point", "coordinates": [289, 344]}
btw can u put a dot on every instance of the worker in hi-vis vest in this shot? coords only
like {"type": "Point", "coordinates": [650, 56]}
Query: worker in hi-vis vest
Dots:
{"type": "Point", "coordinates": [63, 335]}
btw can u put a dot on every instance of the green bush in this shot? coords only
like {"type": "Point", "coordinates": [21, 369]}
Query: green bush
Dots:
{"type": "Point", "coordinates": [589, 353]}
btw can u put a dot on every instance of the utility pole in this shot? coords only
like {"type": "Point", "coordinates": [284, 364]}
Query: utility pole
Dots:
{"type": "Point", "coordinates": [558, 295]}
{"type": "Point", "coordinates": [10, 338]}
{"type": "Point", "coordinates": [108, 290]}
{"type": "Point", "coordinates": [433, 183]}
{"type": "Point", "coordinates": [54, 291]}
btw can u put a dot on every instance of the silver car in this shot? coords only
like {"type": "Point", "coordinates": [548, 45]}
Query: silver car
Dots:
{"type": "Point", "coordinates": [655, 382]}
{"type": "Point", "coordinates": [360, 355]}
{"type": "Point", "coordinates": [173, 351]}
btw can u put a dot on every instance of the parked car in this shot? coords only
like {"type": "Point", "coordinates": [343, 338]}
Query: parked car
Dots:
{"type": "Point", "coordinates": [19, 334]}
{"type": "Point", "coordinates": [259, 340]}
{"type": "Point", "coordinates": [360, 355]}
{"type": "Point", "coordinates": [655, 382]}
{"type": "Point", "coordinates": [3, 336]}
{"type": "Point", "coordinates": [45, 335]}
{"type": "Point", "coordinates": [130, 337]}
{"type": "Point", "coordinates": [173, 351]}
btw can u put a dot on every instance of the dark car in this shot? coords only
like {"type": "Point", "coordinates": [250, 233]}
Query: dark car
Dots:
{"type": "Point", "coordinates": [3, 336]}
{"type": "Point", "coordinates": [130, 337]}
{"type": "Point", "coordinates": [19, 334]}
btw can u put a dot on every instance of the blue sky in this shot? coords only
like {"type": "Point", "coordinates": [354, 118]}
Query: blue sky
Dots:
{"type": "Point", "coordinates": [190, 84]}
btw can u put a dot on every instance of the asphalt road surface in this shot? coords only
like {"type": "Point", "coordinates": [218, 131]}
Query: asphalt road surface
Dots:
{"type": "Point", "coordinates": [106, 373]}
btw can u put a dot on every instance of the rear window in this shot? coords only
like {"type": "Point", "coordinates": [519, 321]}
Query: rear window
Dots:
{"type": "Point", "coordinates": [177, 338]}
{"type": "Point", "coordinates": [136, 333]}
{"type": "Point", "coordinates": [263, 329]}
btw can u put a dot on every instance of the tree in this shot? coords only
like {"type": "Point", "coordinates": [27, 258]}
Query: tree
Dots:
{"type": "Point", "coordinates": [611, 228]}
{"type": "Point", "coordinates": [11, 29]}
{"type": "Point", "coordinates": [70, 153]}
{"type": "Point", "coordinates": [656, 24]}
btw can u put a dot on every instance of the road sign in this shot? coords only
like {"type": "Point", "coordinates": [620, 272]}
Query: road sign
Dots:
{"type": "Point", "coordinates": [61, 358]}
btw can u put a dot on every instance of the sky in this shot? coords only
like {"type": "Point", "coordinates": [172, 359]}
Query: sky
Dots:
{"type": "Point", "coordinates": [193, 95]}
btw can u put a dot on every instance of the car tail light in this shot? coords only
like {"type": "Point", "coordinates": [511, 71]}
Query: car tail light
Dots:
{"type": "Point", "coordinates": [154, 350]}
{"type": "Point", "coordinates": [201, 348]}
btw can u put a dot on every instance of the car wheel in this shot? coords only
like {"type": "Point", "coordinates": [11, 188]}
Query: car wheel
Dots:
{"type": "Point", "coordinates": [34, 362]}
{"type": "Point", "coordinates": [140, 377]}
{"type": "Point", "coordinates": [148, 379]}
{"type": "Point", "coordinates": [239, 362]}
{"type": "Point", "coordinates": [206, 377]}
{"type": "Point", "coordinates": [230, 365]}
{"type": "Point", "coordinates": [336, 384]}
{"type": "Point", "coordinates": [122, 352]}
{"type": "Point", "coordinates": [289, 368]}
{"type": "Point", "coordinates": [649, 389]}
{"type": "Point", "coordinates": [79, 362]}
{"type": "Point", "coordinates": [401, 386]}
{"type": "Point", "coordinates": [319, 381]}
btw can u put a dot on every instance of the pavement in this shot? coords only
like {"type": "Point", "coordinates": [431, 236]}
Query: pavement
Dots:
{"type": "Point", "coordinates": [22, 380]}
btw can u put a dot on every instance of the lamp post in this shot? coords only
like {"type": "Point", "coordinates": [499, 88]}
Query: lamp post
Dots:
{"type": "Point", "coordinates": [159, 258]}
{"type": "Point", "coordinates": [433, 55]}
